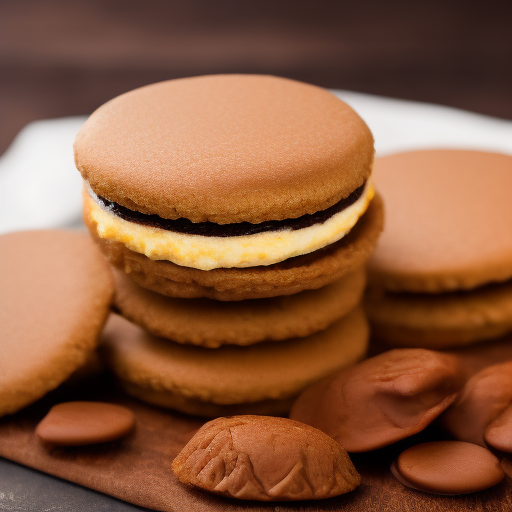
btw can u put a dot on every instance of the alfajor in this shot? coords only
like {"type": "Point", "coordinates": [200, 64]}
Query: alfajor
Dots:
{"type": "Point", "coordinates": [441, 275]}
{"type": "Point", "coordinates": [230, 186]}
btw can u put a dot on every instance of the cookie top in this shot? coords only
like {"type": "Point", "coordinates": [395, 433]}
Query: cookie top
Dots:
{"type": "Point", "coordinates": [230, 375]}
{"type": "Point", "coordinates": [55, 293]}
{"type": "Point", "coordinates": [225, 149]}
{"type": "Point", "coordinates": [448, 220]}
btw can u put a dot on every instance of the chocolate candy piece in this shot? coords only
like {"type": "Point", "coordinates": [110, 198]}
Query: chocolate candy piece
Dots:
{"type": "Point", "coordinates": [484, 397]}
{"type": "Point", "coordinates": [449, 467]}
{"type": "Point", "coordinates": [499, 433]}
{"type": "Point", "coordinates": [266, 459]}
{"type": "Point", "coordinates": [506, 465]}
{"type": "Point", "coordinates": [82, 423]}
{"type": "Point", "coordinates": [383, 399]}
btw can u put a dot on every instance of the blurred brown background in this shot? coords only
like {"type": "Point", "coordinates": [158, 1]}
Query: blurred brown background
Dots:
{"type": "Point", "coordinates": [66, 57]}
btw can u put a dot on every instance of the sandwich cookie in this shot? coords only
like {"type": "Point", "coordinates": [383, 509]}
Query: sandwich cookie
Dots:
{"type": "Point", "coordinates": [442, 320]}
{"type": "Point", "coordinates": [441, 274]}
{"type": "Point", "coordinates": [211, 323]}
{"type": "Point", "coordinates": [227, 173]}
{"type": "Point", "coordinates": [263, 378]}
{"type": "Point", "coordinates": [55, 294]}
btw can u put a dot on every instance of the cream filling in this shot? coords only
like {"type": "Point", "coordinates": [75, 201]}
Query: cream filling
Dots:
{"type": "Point", "coordinates": [207, 253]}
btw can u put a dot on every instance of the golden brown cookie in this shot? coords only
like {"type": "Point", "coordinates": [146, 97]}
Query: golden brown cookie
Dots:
{"type": "Point", "coordinates": [225, 149]}
{"type": "Point", "coordinates": [207, 409]}
{"type": "Point", "coordinates": [441, 320]}
{"type": "Point", "coordinates": [55, 292]}
{"type": "Point", "coordinates": [448, 220]}
{"type": "Point", "coordinates": [310, 271]}
{"type": "Point", "coordinates": [211, 323]}
{"type": "Point", "coordinates": [170, 374]}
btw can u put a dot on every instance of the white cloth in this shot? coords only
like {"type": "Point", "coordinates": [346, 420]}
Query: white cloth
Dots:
{"type": "Point", "coordinates": [40, 187]}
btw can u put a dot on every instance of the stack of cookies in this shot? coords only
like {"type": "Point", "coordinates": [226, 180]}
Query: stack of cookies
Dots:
{"type": "Point", "coordinates": [238, 212]}
{"type": "Point", "coordinates": [441, 276]}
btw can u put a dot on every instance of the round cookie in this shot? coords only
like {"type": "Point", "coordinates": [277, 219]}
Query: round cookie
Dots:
{"type": "Point", "coordinates": [211, 323]}
{"type": "Point", "coordinates": [201, 187]}
{"type": "Point", "coordinates": [292, 148]}
{"type": "Point", "coordinates": [56, 292]}
{"type": "Point", "coordinates": [440, 320]}
{"type": "Point", "coordinates": [310, 271]}
{"type": "Point", "coordinates": [210, 382]}
{"type": "Point", "coordinates": [448, 220]}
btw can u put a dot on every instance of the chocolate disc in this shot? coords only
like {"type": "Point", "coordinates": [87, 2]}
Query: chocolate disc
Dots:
{"type": "Point", "coordinates": [449, 467]}
{"type": "Point", "coordinates": [499, 433]}
{"type": "Point", "coordinates": [82, 423]}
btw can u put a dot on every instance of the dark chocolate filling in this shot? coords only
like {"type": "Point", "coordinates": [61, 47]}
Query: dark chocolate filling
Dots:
{"type": "Point", "coordinates": [188, 227]}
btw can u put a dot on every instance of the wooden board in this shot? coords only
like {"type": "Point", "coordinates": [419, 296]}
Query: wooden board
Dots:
{"type": "Point", "coordinates": [137, 469]}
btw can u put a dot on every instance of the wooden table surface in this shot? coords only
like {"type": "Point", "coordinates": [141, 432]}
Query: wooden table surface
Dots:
{"type": "Point", "coordinates": [61, 58]}
{"type": "Point", "coordinates": [137, 469]}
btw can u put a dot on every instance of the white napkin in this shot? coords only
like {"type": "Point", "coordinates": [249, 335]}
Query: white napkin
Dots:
{"type": "Point", "coordinates": [40, 187]}
{"type": "Point", "coordinates": [39, 184]}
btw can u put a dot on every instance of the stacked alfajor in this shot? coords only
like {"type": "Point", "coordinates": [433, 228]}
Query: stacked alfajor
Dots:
{"type": "Point", "coordinates": [238, 212]}
{"type": "Point", "coordinates": [441, 275]}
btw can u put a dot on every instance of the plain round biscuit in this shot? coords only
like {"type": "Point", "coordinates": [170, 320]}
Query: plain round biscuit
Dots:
{"type": "Point", "coordinates": [448, 220]}
{"type": "Point", "coordinates": [307, 272]}
{"type": "Point", "coordinates": [55, 292]}
{"type": "Point", "coordinates": [231, 375]}
{"type": "Point", "coordinates": [404, 337]}
{"type": "Point", "coordinates": [195, 407]}
{"type": "Point", "coordinates": [210, 323]}
{"type": "Point", "coordinates": [225, 148]}
{"type": "Point", "coordinates": [441, 320]}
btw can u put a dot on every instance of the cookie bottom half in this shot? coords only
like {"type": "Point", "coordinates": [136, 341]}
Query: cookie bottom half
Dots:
{"type": "Point", "coordinates": [307, 272]}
